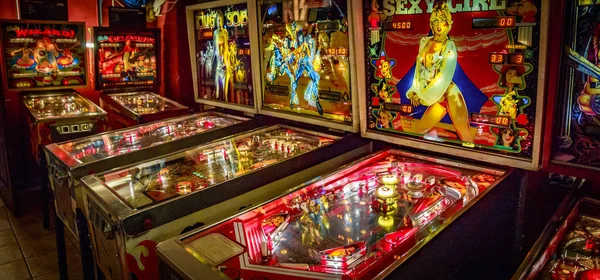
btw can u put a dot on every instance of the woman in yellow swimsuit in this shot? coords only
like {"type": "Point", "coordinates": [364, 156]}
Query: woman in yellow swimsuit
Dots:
{"type": "Point", "coordinates": [432, 85]}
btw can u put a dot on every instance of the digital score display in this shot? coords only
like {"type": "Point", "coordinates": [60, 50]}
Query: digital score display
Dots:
{"type": "Point", "coordinates": [495, 22]}
{"type": "Point", "coordinates": [404, 109]}
{"type": "Point", "coordinates": [495, 120]}
{"type": "Point", "coordinates": [516, 58]}
{"type": "Point", "coordinates": [496, 58]}
{"type": "Point", "coordinates": [502, 58]}
{"type": "Point", "coordinates": [397, 25]}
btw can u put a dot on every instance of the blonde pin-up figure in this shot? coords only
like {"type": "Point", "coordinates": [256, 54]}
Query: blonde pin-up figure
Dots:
{"type": "Point", "coordinates": [432, 85]}
{"type": "Point", "coordinates": [221, 45]}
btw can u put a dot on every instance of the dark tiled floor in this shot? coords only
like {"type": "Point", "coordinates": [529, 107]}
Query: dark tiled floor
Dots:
{"type": "Point", "coordinates": [28, 251]}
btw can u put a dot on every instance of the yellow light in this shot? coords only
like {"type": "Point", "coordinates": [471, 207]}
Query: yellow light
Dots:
{"type": "Point", "coordinates": [390, 179]}
{"type": "Point", "coordinates": [385, 192]}
{"type": "Point", "coordinates": [386, 222]}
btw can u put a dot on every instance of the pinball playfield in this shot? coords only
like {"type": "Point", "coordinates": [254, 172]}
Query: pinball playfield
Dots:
{"type": "Point", "coordinates": [121, 142]}
{"type": "Point", "coordinates": [204, 167]}
{"type": "Point", "coordinates": [60, 115]}
{"type": "Point", "coordinates": [352, 224]}
{"type": "Point", "coordinates": [138, 107]}
{"type": "Point", "coordinates": [573, 251]}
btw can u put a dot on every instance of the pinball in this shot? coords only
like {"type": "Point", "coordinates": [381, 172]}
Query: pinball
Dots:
{"type": "Point", "coordinates": [194, 181]}
{"type": "Point", "coordinates": [43, 55]}
{"type": "Point", "coordinates": [211, 166]}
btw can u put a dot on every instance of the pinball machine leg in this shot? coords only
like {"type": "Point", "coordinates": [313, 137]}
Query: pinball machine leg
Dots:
{"type": "Point", "coordinates": [61, 249]}
{"type": "Point", "coordinates": [45, 184]}
{"type": "Point", "coordinates": [87, 259]}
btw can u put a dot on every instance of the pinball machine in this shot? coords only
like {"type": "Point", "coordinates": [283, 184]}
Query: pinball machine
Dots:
{"type": "Point", "coordinates": [574, 133]}
{"type": "Point", "coordinates": [567, 248]}
{"type": "Point", "coordinates": [127, 63]}
{"type": "Point", "coordinates": [131, 209]}
{"type": "Point", "coordinates": [470, 95]}
{"type": "Point", "coordinates": [44, 62]}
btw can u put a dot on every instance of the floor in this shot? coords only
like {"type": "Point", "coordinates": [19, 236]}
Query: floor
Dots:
{"type": "Point", "coordinates": [28, 251]}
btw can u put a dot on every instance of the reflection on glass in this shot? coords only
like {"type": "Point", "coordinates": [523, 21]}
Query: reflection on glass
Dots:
{"type": "Point", "coordinates": [205, 166]}
{"type": "Point", "coordinates": [119, 142]}
{"type": "Point", "coordinates": [350, 222]}
{"type": "Point", "coordinates": [59, 105]}
{"type": "Point", "coordinates": [144, 103]}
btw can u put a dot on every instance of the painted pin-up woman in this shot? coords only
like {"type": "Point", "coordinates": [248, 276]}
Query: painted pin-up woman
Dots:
{"type": "Point", "coordinates": [432, 85]}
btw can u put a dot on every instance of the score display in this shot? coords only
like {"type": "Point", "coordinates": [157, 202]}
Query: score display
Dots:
{"type": "Point", "coordinates": [496, 22]}
{"type": "Point", "coordinates": [404, 109]}
{"type": "Point", "coordinates": [496, 58]}
{"type": "Point", "coordinates": [397, 25]}
{"type": "Point", "coordinates": [515, 58]}
{"type": "Point", "coordinates": [503, 58]}
{"type": "Point", "coordinates": [503, 121]}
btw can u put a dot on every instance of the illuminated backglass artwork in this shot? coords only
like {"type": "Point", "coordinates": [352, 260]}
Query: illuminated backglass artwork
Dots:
{"type": "Point", "coordinates": [463, 73]}
{"type": "Point", "coordinates": [126, 58]}
{"type": "Point", "coordinates": [306, 57]}
{"type": "Point", "coordinates": [578, 124]}
{"type": "Point", "coordinates": [43, 55]}
{"type": "Point", "coordinates": [223, 64]}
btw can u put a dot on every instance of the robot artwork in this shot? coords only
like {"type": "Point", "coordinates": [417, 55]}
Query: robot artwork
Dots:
{"type": "Point", "coordinates": [222, 46]}
{"type": "Point", "coordinates": [305, 52]}
{"type": "Point", "coordinates": [300, 54]}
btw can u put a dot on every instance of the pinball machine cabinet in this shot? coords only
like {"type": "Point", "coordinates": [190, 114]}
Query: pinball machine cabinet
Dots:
{"type": "Point", "coordinates": [366, 220]}
{"type": "Point", "coordinates": [472, 88]}
{"type": "Point", "coordinates": [60, 116]}
{"type": "Point", "coordinates": [48, 61]}
{"type": "Point", "coordinates": [127, 64]}
{"type": "Point", "coordinates": [131, 209]}
{"type": "Point", "coordinates": [573, 130]}
{"type": "Point", "coordinates": [567, 248]}
{"type": "Point", "coordinates": [69, 161]}
{"type": "Point", "coordinates": [134, 108]}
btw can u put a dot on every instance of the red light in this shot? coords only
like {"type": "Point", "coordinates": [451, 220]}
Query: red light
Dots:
{"type": "Point", "coordinates": [373, 22]}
